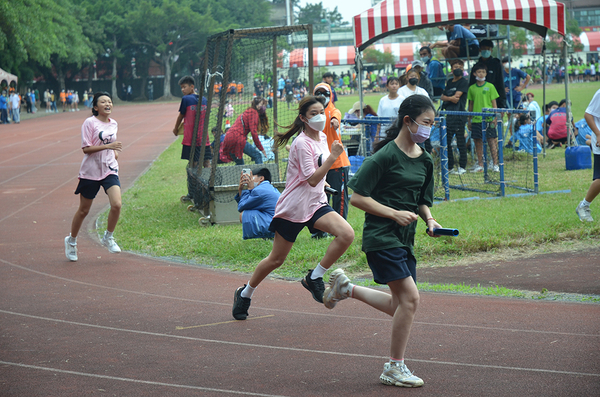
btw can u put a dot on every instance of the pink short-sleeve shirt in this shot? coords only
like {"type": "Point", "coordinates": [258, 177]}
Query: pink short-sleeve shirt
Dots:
{"type": "Point", "coordinates": [97, 166]}
{"type": "Point", "coordinates": [299, 201]}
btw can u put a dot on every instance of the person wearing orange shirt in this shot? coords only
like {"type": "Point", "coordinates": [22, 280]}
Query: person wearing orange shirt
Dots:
{"type": "Point", "coordinates": [63, 99]}
{"type": "Point", "coordinates": [337, 176]}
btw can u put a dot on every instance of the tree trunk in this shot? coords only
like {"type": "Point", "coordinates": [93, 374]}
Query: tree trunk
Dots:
{"type": "Point", "coordinates": [166, 61]}
{"type": "Point", "coordinates": [114, 92]}
{"type": "Point", "coordinates": [90, 74]}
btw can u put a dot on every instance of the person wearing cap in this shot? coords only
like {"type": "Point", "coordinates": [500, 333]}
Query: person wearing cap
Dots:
{"type": "Point", "coordinates": [515, 81]}
{"type": "Point", "coordinates": [256, 200]}
{"type": "Point", "coordinates": [424, 81]}
{"type": "Point", "coordinates": [328, 79]}
{"type": "Point", "coordinates": [495, 74]}
{"type": "Point", "coordinates": [434, 70]}
{"type": "Point", "coordinates": [337, 176]}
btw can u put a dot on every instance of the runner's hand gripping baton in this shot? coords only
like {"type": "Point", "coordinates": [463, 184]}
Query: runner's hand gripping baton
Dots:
{"type": "Point", "coordinates": [444, 232]}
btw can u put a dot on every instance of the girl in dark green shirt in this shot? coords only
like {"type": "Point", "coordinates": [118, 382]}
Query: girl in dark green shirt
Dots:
{"type": "Point", "coordinates": [394, 187]}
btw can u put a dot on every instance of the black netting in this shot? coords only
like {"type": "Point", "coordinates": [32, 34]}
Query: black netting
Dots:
{"type": "Point", "coordinates": [239, 66]}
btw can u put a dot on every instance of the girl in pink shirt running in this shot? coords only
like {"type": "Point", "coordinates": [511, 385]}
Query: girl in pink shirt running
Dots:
{"type": "Point", "coordinates": [302, 203]}
{"type": "Point", "coordinates": [99, 168]}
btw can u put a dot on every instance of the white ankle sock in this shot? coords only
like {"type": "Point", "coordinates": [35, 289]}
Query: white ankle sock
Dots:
{"type": "Point", "coordinates": [319, 271]}
{"type": "Point", "coordinates": [248, 291]}
{"type": "Point", "coordinates": [584, 203]}
{"type": "Point", "coordinates": [107, 234]}
{"type": "Point", "coordinates": [72, 240]}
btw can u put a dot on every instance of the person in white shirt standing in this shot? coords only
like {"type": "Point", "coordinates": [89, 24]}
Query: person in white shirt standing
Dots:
{"type": "Point", "coordinates": [388, 106]}
{"type": "Point", "coordinates": [15, 106]}
{"type": "Point", "coordinates": [592, 117]}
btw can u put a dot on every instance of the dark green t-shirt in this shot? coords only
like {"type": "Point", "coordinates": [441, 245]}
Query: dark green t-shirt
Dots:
{"type": "Point", "coordinates": [397, 181]}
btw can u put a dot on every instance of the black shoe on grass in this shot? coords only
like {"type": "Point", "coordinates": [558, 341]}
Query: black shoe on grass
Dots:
{"type": "Point", "coordinates": [240, 304]}
{"type": "Point", "coordinates": [316, 286]}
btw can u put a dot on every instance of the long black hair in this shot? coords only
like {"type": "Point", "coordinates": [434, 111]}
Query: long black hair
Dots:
{"type": "Point", "coordinates": [298, 124]}
{"type": "Point", "coordinates": [263, 120]}
{"type": "Point", "coordinates": [95, 100]}
{"type": "Point", "coordinates": [413, 107]}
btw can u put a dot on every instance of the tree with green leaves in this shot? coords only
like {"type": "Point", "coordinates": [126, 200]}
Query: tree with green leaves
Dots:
{"type": "Point", "coordinates": [42, 33]}
{"type": "Point", "coordinates": [315, 14]}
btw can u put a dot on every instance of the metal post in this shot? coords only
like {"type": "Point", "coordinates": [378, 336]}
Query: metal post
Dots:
{"type": "Point", "coordinates": [311, 76]}
{"type": "Point", "coordinates": [569, 116]}
{"type": "Point", "coordinates": [544, 68]}
{"type": "Point", "coordinates": [501, 154]}
{"type": "Point", "coordinates": [275, 101]}
{"type": "Point", "coordinates": [444, 159]}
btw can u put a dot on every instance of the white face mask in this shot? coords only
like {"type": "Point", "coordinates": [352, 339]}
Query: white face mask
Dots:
{"type": "Point", "coordinates": [317, 122]}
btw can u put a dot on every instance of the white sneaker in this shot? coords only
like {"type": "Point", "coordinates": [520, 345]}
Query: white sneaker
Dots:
{"type": "Point", "coordinates": [111, 244]}
{"type": "Point", "coordinates": [477, 168]}
{"type": "Point", "coordinates": [395, 374]}
{"type": "Point", "coordinates": [461, 171]}
{"type": "Point", "coordinates": [339, 289]}
{"type": "Point", "coordinates": [584, 212]}
{"type": "Point", "coordinates": [70, 250]}
{"type": "Point", "coordinates": [496, 168]}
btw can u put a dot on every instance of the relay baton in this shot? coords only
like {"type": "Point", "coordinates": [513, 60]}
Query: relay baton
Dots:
{"type": "Point", "coordinates": [444, 232]}
{"type": "Point", "coordinates": [331, 191]}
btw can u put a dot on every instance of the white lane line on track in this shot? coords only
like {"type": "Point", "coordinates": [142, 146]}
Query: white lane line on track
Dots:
{"type": "Point", "coordinates": [511, 330]}
{"type": "Point", "coordinates": [293, 349]}
{"type": "Point", "coordinates": [145, 382]}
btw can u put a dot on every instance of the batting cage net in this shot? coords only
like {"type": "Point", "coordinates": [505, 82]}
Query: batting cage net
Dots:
{"type": "Point", "coordinates": [250, 84]}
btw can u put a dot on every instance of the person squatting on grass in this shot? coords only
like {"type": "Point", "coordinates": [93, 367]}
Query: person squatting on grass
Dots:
{"type": "Point", "coordinates": [592, 117]}
{"type": "Point", "coordinates": [394, 187]}
{"type": "Point", "coordinates": [303, 203]}
{"type": "Point", "coordinates": [99, 168]}
{"type": "Point", "coordinates": [187, 117]}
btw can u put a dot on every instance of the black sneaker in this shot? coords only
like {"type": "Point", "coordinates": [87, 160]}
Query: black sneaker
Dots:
{"type": "Point", "coordinates": [316, 286]}
{"type": "Point", "coordinates": [240, 304]}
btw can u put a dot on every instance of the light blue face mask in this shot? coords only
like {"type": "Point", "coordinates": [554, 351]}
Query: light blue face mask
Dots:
{"type": "Point", "coordinates": [424, 59]}
{"type": "Point", "coordinates": [486, 54]}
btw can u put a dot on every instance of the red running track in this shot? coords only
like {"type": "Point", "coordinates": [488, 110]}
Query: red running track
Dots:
{"type": "Point", "coordinates": [125, 325]}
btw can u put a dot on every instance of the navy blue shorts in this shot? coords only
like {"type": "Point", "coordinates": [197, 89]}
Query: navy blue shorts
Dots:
{"type": "Point", "coordinates": [596, 167]}
{"type": "Point", "coordinates": [88, 188]}
{"type": "Point", "coordinates": [290, 230]}
{"type": "Point", "coordinates": [391, 265]}
{"type": "Point", "coordinates": [186, 150]}
{"type": "Point", "coordinates": [477, 132]}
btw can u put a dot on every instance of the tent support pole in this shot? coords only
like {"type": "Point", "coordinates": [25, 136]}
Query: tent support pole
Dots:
{"type": "Point", "coordinates": [568, 104]}
{"type": "Point", "coordinates": [358, 63]}
{"type": "Point", "coordinates": [544, 68]}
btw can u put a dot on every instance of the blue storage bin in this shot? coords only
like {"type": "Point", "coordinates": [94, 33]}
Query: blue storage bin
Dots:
{"type": "Point", "coordinates": [355, 163]}
{"type": "Point", "coordinates": [578, 157]}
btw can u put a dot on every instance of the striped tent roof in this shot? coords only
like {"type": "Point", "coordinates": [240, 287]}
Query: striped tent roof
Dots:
{"type": "Point", "coordinates": [393, 16]}
{"type": "Point", "coordinates": [344, 55]}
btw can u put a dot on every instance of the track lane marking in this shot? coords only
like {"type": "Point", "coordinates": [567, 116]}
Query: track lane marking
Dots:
{"type": "Point", "coordinates": [293, 349]}
{"type": "Point", "coordinates": [223, 322]}
{"type": "Point", "coordinates": [146, 382]}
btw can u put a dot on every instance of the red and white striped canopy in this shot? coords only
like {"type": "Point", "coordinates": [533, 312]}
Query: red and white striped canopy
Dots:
{"type": "Point", "coordinates": [590, 41]}
{"type": "Point", "coordinates": [393, 16]}
{"type": "Point", "coordinates": [335, 56]}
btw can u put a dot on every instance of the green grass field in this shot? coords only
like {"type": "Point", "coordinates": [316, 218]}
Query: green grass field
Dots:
{"type": "Point", "coordinates": [154, 222]}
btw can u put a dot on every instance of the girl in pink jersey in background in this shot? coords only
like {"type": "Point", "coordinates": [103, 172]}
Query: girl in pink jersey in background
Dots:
{"type": "Point", "coordinates": [302, 203]}
{"type": "Point", "coordinates": [99, 168]}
